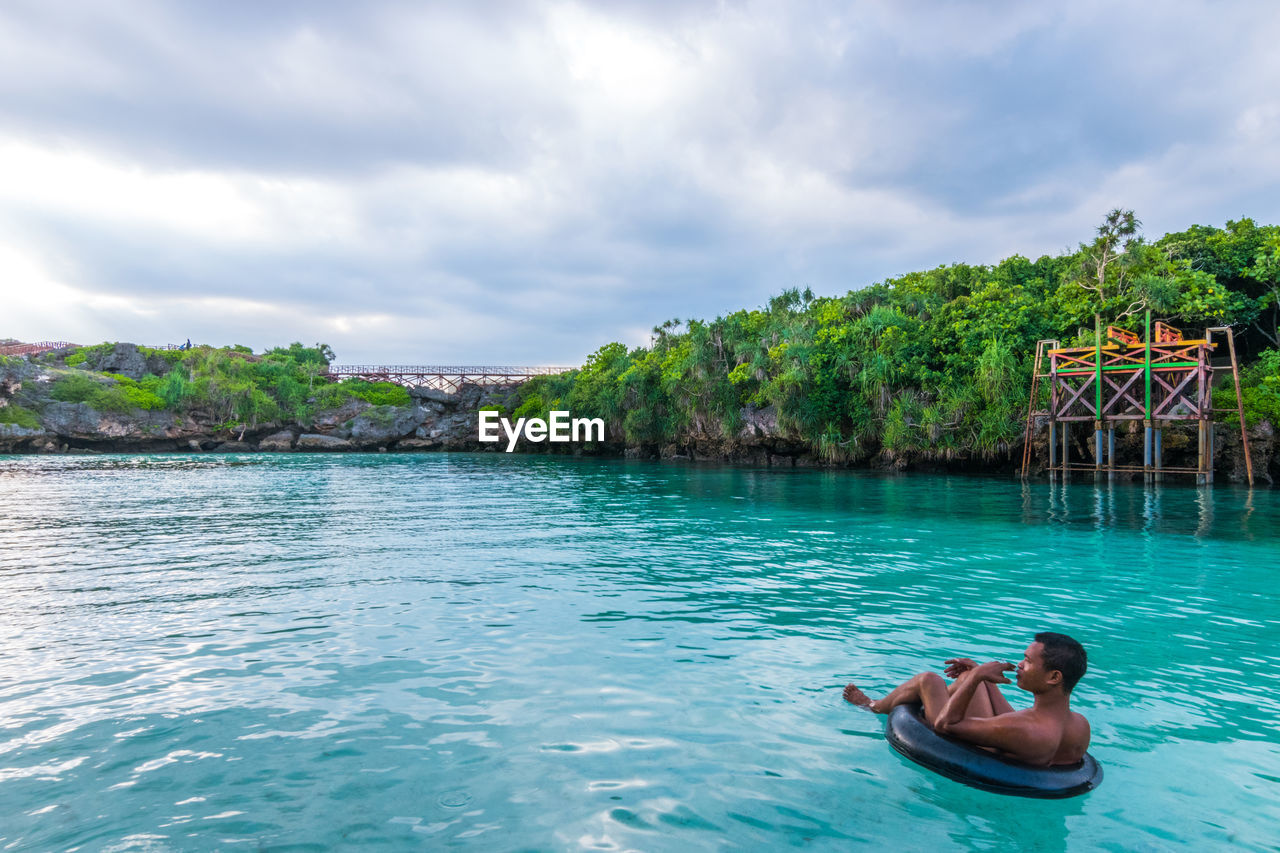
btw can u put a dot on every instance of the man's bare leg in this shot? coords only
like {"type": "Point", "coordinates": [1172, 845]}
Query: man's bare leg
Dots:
{"type": "Point", "coordinates": [980, 705]}
{"type": "Point", "coordinates": [927, 688]}
{"type": "Point", "coordinates": [999, 704]}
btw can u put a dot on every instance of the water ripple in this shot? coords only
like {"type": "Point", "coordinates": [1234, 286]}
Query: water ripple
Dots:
{"type": "Point", "coordinates": [368, 651]}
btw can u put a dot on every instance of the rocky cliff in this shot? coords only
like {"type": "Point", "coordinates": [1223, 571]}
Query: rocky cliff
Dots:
{"type": "Point", "coordinates": [434, 421]}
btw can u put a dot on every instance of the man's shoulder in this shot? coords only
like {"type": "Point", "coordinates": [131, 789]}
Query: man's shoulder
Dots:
{"type": "Point", "coordinates": [1078, 727]}
{"type": "Point", "coordinates": [1037, 727]}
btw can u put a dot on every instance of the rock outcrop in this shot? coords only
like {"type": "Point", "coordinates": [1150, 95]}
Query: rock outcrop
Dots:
{"type": "Point", "coordinates": [80, 422]}
{"type": "Point", "coordinates": [277, 442]}
{"type": "Point", "coordinates": [325, 443]}
{"type": "Point", "coordinates": [126, 360]}
{"type": "Point", "coordinates": [434, 420]}
{"type": "Point", "coordinates": [382, 425]}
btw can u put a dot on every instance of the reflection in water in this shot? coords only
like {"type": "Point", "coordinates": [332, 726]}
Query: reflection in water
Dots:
{"type": "Point", "coordinates": [376, 650]}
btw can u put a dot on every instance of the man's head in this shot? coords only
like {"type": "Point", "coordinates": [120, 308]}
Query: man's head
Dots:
{"type": "Point", "coordinates": [1053, 661]}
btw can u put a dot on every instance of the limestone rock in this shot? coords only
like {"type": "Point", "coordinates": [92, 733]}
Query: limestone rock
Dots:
{"type": "Point", "coordinates": [315, 441]}
{"type": "Point", "coordinates": [277, 442]}
{"type": "Point", "coordinates": [82, 422]}
{"type": "Point", "coordinates": [469, 395]}
{"type": "Point", "coordinates": [758, 423]}
{"type": "Point", "coordinates": [433, 395]}
{"type": "Point", "coordinates": [453, 429]}
{"type": "Point", "coordinates": [127, 360]}
{"type": "Point", "coordinates": [330, 419]}
{"type": "Point", "coordinates": [71, 419]}
{"type": "Point", "coordinates": [16, 438]}
{"type": "Point", "coordinates": [13, 431]}
{"type": "Point", "coordinates": [417, 444]}
{"type": "Point", "coordinates": [381, 424]}
{"type": "Point", "coordinates": [234, 447]}
{"type": "Point", "coordinates": [10, 381]}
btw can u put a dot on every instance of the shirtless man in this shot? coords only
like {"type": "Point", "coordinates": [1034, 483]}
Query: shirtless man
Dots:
{"type": "Point", "coordinates": [972, 708]}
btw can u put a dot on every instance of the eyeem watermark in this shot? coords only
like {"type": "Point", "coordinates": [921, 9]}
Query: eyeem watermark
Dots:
{"type": "Point", "coordinates": [560, 428]}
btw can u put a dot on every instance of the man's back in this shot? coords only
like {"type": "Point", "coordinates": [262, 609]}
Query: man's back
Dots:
{"type": "Point", "coordinates": [1039, 736]}
{"type": "Point", "coordinates": [1075, 740]}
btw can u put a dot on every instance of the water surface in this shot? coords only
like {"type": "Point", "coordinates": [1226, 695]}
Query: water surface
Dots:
{"type": "Point", "coordinates": [501, 653]}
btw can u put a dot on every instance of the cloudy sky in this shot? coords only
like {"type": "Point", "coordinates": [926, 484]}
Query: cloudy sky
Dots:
{"type": "Point", "coordinates": [520, 183]}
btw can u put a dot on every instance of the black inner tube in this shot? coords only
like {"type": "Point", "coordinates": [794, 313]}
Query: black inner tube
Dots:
{"type": "Point", "coordinates": [908, 733]}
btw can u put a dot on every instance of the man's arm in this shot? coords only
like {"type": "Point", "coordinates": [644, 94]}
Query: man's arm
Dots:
{"type": "Point", "coordinates": [956, 667]}
{"type": "Point", "coordinates": [964, 688]}
{"type": "Point", "coordinates": [1013, 734]}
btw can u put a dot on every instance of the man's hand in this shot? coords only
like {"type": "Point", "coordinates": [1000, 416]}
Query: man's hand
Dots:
{"type": "Point", "coordinates": [994, 672]}
{"type": "Point", "coordinates": [957, 667]}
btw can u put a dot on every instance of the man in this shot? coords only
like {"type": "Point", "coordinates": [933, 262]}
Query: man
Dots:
{"type": "Point", "coordinates": [972, 708]}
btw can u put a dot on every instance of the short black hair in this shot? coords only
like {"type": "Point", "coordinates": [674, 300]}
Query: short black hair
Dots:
{"type": "Point", "coordinates": [1065, 655]}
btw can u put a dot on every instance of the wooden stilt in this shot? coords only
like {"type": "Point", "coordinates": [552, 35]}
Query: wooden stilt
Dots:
{"type": "Point", "coordinates": [1098, 450]}
{"type": "Point", "coordinates": [1053, 449]}
{"type": "Point", "coordinates": [1066, 449]}
{"type": "Point", "coordinates": [1158, 453]}
{"type": "Point", "coordinates": [1200, 452]}
{"type": "Point", "coordinates": [1111, 453]}
{"type": "Point", "coordinates": [1208, 468]}
{"type": "Point", "coordinates": [1146, 451]}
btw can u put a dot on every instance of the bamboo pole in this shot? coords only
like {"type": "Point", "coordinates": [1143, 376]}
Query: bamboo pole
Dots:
{"type": "Point", "coordinates": [1146, 422]}
{"type": "Point", "coordinates": [1244, 433]}
{"type": "Point", "coordinates": [1235, 375]}
{"type": "Point", "coordinates": [1111, 453]}
{"type": "Point", "coordinates": [1097, 366]}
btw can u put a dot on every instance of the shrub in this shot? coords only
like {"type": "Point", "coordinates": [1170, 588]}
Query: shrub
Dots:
{"type": "Point", "coordinates": [76, 388]}
{"type": "Point", "coordinates": [384, 394]}
{"type": "Point", "coordinates": [332, 396]}
{"type": "Point", "coordinates": [1259, 390]}
{"type": "Point", "coordinates": [121, 395]}
{"type": "Point", "coordinates": [377, 393]}
{"type": "Point", "coordinates": [172, 356]}
{"type": "Point", "coordinates": [18, 416]}
{"type": "Point", "coordinates": [81, 354]}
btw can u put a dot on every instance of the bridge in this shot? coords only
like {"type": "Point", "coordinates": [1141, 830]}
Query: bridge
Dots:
{"type": "Point", "coordinates": [18, 348]}
{"type": "Point", "coordinates": [440, 377]}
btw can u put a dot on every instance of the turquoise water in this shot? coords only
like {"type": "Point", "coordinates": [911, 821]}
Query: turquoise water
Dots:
{"type": "Point", "coordinates": [514, 653]}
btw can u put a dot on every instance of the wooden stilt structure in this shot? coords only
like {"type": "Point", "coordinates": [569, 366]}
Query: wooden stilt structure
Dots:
{"type": "Point", "coordinates": [1100, 384]}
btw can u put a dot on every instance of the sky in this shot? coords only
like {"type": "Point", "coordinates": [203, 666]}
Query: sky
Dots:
{"type": "Point", "coordinates": [521, 183]}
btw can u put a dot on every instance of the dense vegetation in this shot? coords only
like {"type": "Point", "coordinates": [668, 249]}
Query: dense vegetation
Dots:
{"type": "Point", "coordinates": [933, 364]}
{"type": "Point", "coordinates": [229, 387]}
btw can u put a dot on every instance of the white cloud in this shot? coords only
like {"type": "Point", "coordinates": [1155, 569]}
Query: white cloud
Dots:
{"type": "Point", "coordinates": [530, 182]}
{"type": "Point", "coordinates": [217, 208]}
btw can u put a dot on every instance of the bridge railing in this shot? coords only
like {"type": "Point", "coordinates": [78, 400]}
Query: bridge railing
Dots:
{"type": "Point", "coordinates": [506, 370]}
{"type": "Point", "coordinates": [32, 349]}
{"type": "Point", "coordinates": [441, 377]}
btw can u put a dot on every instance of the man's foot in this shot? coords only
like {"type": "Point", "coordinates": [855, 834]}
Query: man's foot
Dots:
{"type": "Point", "coordinates": [857, 697]}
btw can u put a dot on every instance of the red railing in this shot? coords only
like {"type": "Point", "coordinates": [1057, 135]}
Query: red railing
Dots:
{"type": "Point", "coordinates": [32, 349]}
{"type": "Point", "coordinates": [441, 377]}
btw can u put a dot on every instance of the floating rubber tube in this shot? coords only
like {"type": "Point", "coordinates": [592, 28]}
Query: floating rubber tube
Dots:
{"type": "Point", "coordinates": [908, 733]}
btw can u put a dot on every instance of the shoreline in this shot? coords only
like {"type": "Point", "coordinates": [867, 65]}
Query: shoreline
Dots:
{"type": "Point", "coordinates": [1228, 462]}
{"type": "Point", "coordinates": [106, 417]}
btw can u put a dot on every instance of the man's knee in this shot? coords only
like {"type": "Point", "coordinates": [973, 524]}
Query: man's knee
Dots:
{"type": "Point", "coordinates": [931, 681]}
{"type": "Point", "coordinates": [932, 690]}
